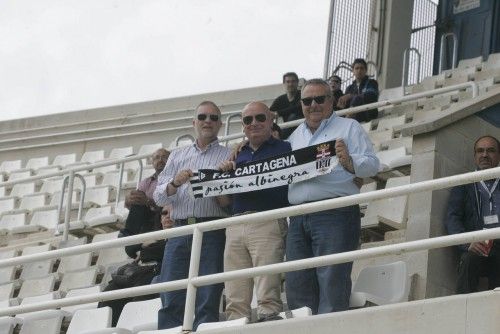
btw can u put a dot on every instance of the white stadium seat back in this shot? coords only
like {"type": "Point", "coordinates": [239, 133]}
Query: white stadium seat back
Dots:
{"type": "Point", "coordinates": [47, 219]}
{"type": "Point", "coordinates": [64, 159]}
{"type": "Point", "coordinates": [92, 156]}
{"type": "Point", "coordinates": [21, 189]}
{"type": "Point", "coordinates": [78, 279]}
{"type": "Point", "coordinates": [37, 286]}
{"type": "Point", "coordinates": [381, 285]}
{"type": "Point", "coordinates": [36, 163]}
{"type": "Point", "coordinates": [90, 320]}
{"type": "Point", "coordinates": [138, 316]}
{"type": "Point", "coordinates": [82, 292]}
{"type": "Point", "coordinates": [10, 165]}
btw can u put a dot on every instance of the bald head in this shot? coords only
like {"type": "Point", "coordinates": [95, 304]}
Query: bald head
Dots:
{"type": "Point", "coordinates": [257, 123]}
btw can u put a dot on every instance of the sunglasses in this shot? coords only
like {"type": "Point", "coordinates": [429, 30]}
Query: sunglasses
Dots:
{"type": "Point", "coordinates": [213, 118]}
{"type": "Point", "coordinates": [165, 213]}
{"type": "Point", "coordinates": [318, 99]}
{"type": "Point", "coordinates": [261, 118]}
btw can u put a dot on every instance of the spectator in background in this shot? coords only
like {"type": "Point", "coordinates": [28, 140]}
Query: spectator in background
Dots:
{"type": "Point", "coordinates": [288, 105]}
{"type": "Point", "coordinates": [144, 216]}
{"type": "Point", "coordinates": [254, 245]}
{"type": "Point", "coordinates": [326, 289]}
{"type": "Point", "coordinates": [362, 91]}
{"type": "Point", "coordinates": [473, 207]}
{"type": "Point", "coordinates": [335, 83]}
{"type": "Point", "coordinates": [172, 188]}
{"type": "Point", "coordinates": [276, 131]}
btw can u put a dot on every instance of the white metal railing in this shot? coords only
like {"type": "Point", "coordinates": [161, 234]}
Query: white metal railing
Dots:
{"type": "Point", "coordinates": [193, 281]}
{"type": "Point", "coordinates": [72, 171]}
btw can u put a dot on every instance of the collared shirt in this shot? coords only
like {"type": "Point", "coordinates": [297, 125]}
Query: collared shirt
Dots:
{"type": "Point", "coordinates": [266, 199]}
{"type": "Point", "coordinates": [183, 203]}
{"type": "Point", "coordinates": [148, 185]}
{"type": "Point", "coordinates": [339, 182]}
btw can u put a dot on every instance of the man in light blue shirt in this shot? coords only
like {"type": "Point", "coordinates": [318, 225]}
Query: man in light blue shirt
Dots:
{"type": "Point", "coordinates": [326, 289]}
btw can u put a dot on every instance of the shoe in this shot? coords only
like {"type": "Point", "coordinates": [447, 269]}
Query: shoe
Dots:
{"type": "Point", "coordinates": [269, 317]}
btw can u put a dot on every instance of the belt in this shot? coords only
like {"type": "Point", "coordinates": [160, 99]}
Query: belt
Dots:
{"type": "Point", "coordinates": [195, 220]}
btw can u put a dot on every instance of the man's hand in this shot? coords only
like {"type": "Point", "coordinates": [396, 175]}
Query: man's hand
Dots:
{"type": "Point", "coordinates": [136, 197]}
{"type": "Point", "coordinates": [182, 177]}
{"type": "Point", "coordinates": [227, 166]}
{"type": "Point", "coordinates": [344, 101]}
{"type": "Point", "coordinates": [343, 155]}
{"type": "Point", "coordinates": [480, 248]}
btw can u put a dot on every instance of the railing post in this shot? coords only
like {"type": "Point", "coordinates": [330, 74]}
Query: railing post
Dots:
{"type": "Point", "coordinates": [141, 167]}
{"type": "Point", "coordinates": [228, 123]}
{"type": "Point", "coordinates": [60, 206]}
{"type": "Point", "coordinates": [68, 205]}
{"type": "Point", "coordinates": [119, 186]}
{"type": "Point", "coordinates": [194, 267]}
{"type": "Point", "coordinates": [406, 66]}
{"type": "Point", "coordinates": [441, 50]}
{"type": "Point", "coordinates": [82, 195]}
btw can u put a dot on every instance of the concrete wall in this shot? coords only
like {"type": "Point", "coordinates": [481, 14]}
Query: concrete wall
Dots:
{"type": "Point", "coordinates": [441, 153]}
{"type": "Point", "coordinates": [396, 38]}
{"type": "Point", "coordinates": [463, 314]}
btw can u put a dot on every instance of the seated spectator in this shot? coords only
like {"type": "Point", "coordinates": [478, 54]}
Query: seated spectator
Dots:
{"type": "Point", "coordinates": [335, 81]}
{"type": "Point", "coordinates": [144, 216]}
{"type": "Point", "coordinates": [288, 105]}
{"type": "Point", "coordinates": [473, 207]}
{"type": "Point", "coordinates": [362, 91]}
{"type": "Point", "coordinates": [276, 131]}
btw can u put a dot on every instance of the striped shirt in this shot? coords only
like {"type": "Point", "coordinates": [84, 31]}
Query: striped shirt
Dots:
{"type": "Point", "coordinates": [183, 203]}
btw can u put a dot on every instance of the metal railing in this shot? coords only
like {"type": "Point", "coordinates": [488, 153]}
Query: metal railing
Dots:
{"type": "Point", "coordinates": [406, 66]}
{"type": "Point", "coordinates": [442, 47]}
{"type": "Point", "coordinates": [72, 171]}
{"type": "Point", "coordinates": [193, 281]}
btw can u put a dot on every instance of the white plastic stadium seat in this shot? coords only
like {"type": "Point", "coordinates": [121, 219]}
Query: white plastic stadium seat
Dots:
{"type": "Point", "coordinates": [37, 286]}
{"type": "Point", "coordinates": [90, 320]}
{"type": "Point", "coordinates": [8, 166]}
{"type": "Point", "coordinates": [16, 223]}
{"type": "Point", "coordinates": [63, 160]}
{"type": "Point", "coordinates": [77, 261]}
{"type": "Point", "coordinates": [92, 156]}
{"type": "Point", "coordinates": [47, 324]}
{"type": "Point", "coordinates": [381, 285]}
{"type": "Point", "coordinates": [135, 317]}
{"type": "Point", "coordinates": [7, 290]}
{"type": "Point", "coordinates": [100, 195]}
{"type": "Point", "coordinates": [78, 279]}
{"type": "Point", "coordinates": [36, 163]}
{"type": "Point", "coordinates": [7, 324]}
{"type": "Point", "coordinates": [390, 211]}
{"type": "Point", "coordinates": [121, 210]}
{"type": "Point", "coordinates": [394, 158]}
{"type": "Point", "coordinates": [7, 273]}
{"type": "Point", "coordinates": [8, 204]}
{"type": "Point", "coordinates": [21, 189]}
{"type": "Point", "coordinates": [109, 256]}
{"type": "Point", "coordinates": [40, 268]}
{"type": "Point", "coordinates": [175, 330]}
{"type": "Point", "coordinates": [82, 292]}
{"type": "Point", "coordinates": [46, 219]}
{"type": "Point", "coordinates": [298, 313]}
{"type": "Point", "coordinates": [19, 175]}
{"type": "Point", "coordinates": [101, 216]}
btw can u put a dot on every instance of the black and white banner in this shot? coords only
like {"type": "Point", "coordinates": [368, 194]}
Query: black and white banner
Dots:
{"type": "Point", "coordinates": [280, 170]}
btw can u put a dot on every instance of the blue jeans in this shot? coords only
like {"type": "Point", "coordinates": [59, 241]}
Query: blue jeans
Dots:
{"type": "Point", "coordinates": [323, 289]}
{"type": "Point", "coordinates": [175, 266]}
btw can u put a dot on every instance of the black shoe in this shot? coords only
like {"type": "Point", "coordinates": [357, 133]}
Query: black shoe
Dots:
{"type": "Point", "coordinates": [269, 317]}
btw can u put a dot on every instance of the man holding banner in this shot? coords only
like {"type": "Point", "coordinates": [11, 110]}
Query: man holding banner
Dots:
{"type": "Point", "coordinates": [253, 245]}
{"type": "Point", "coordinates": [326, 289]}
{"type": "Point", "coordinates": [173, 189]}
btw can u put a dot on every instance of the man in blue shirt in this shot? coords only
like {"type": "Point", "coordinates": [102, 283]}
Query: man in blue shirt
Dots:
{"type": "Point", "coordinates": [473, 207]}
{"type": "Point", "coordinates": [326, 289]}
{"type": "Point", "coordinates": [254, 245]}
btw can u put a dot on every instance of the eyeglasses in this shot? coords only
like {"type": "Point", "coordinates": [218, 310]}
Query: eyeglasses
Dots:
{"type": "Point", "coordinates": [261, 118]}
{"type": "Point", "coordinates": [318, 99]}
{"type": "Point", "coordinates": [213, 118]}
{"type": "Point", "coordinates": [165, 213]}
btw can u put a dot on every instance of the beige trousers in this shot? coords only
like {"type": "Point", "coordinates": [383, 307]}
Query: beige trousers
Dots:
{"type": "Point", "coordinates": [253, 245]}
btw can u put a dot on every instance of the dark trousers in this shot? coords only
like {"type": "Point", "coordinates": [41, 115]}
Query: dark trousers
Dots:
{"type": "Point", "coordinates": [473, 266]}
{"type": "Point", "coordinates": [323, 289]}
{"type": "Point", "coordinates": [117, 305]}
{"type": "Point", "coordinates": [176, 267]}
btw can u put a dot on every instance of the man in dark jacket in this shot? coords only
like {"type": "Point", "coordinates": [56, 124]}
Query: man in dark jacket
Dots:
{"type": "Point", "coordinates": [362, 91]}
{"type": "Point", "coordinates": [288, 105]}
{"type": "Point", "coordinates": [473, 207]}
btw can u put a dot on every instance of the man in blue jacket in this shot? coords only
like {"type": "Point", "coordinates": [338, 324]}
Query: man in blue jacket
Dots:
{"type": "Point", "coordinates": [473, 207]}
{"type": "Point", "coordinates": [363, 90]}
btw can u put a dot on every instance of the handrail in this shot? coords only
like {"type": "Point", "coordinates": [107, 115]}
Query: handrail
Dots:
{"type": "Point", "coordinates": [69, 204]}
{"type": "Point", "coordinates": [193, 281]}
{"type": "Point", "coordinates": [406, 66]}
{"type": "Point", "coordinates": [185, 136]}
{"type": "Point", "coordinates": [228, 123]}
{"type": "Point", "coordinates": [441, 50]}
